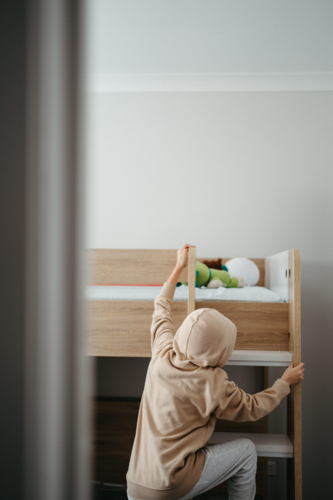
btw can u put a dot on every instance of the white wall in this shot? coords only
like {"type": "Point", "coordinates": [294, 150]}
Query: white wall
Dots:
{"type": "Point", "coordinates": [234, 173]}
{"type": "Point", "coordinates": [237, 174]}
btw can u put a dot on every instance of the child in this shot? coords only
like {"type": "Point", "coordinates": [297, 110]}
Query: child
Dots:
{"type": "Point", "coordinates": [185, 392]}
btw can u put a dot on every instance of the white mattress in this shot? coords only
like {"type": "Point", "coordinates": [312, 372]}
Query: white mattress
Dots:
{"type": "Point", "coordinates": [246, 294]}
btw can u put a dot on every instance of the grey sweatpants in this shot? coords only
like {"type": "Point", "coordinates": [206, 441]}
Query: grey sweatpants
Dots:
{"type": "Point", "coordinates": [236, 461]}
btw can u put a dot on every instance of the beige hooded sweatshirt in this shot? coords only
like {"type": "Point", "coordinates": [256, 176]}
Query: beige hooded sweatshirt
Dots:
{"type": "Point", "coordinates": [185, 391]}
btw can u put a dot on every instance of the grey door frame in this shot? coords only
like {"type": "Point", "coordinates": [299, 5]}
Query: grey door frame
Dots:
{"type": "Point", "coordinates": [57, 372]}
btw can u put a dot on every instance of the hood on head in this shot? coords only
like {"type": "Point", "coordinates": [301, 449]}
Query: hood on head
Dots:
{"type": "Point", "coordinates": [205, 338]}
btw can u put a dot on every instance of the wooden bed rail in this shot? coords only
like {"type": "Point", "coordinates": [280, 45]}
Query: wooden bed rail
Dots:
{"type": "Point", "coordinates": [139, 267]}
{"type": "Point", "coordinates": [121, 328]}
{"type": "Point", "coordinates": [131, 266]}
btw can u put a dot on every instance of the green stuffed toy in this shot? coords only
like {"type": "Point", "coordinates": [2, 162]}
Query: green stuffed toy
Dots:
{"type": "Point", "coordinates": [215, 278]}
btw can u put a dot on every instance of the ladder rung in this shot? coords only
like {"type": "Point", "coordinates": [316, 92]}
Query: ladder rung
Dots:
{"type": "Point", "coordinates": [260, 358]}
{"type": "Point", "coordinates": [267, 445]}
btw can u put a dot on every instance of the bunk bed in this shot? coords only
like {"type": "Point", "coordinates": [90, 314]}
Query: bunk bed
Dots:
{"type": "Point", "coordinates": [268, 332]}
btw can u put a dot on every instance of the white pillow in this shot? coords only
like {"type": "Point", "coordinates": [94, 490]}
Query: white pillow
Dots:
{"type": "Point", "coordinates": [241, 266]}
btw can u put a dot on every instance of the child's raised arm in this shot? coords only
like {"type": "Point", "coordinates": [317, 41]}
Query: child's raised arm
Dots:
{"type": "Point", "coordinates": [162, 329]}
{"type": "Point", "coordinates": [180, 265]}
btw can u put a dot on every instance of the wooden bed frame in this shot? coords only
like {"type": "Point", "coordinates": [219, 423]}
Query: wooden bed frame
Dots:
{"type": "Point", "coordinates": [268, 334]}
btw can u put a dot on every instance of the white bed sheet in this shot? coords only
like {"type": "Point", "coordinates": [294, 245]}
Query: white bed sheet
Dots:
{"type": "Point", "coordinates": [246, 294]}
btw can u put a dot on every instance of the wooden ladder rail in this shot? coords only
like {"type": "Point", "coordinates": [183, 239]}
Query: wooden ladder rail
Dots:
{"type": "Point", "coordinates": [191, 280]}
{"type": "Point", "coordinates": [294, 429]}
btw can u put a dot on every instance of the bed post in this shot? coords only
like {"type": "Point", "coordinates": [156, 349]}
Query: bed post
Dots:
{"type": "Point", "coordinates": [191, 280]}
{"type": "Point", "coordinates": [294, 429]}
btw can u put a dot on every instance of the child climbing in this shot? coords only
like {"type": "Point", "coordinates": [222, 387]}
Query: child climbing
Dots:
{"type": "Point", "coordinates": [185, 391]}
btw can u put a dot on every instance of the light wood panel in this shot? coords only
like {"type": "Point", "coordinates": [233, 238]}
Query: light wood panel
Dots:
{"type": "Point", "coordinates": [122, 327]}
{"type": "Point", "coordinates": [294, 428]}
{"type": "Point", "coordinates": [294, 300]}
{"type": "Point", "coordinates": [260, 326]}
{"type": "Point", "coordinates": [131, 267]}
{"type": "Point", "coordinates": [260, 263]}
{"type": "Point", "coordinates": [191, 280]}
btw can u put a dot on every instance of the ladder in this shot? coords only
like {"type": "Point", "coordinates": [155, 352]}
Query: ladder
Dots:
{"type": "Point", "coordinates": [283, 276]}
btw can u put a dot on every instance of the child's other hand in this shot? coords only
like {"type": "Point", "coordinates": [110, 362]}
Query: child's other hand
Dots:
{"type": "Point", "coordinates": [293, 375]}
{"type": "Point", "coordinates": [182, 256]}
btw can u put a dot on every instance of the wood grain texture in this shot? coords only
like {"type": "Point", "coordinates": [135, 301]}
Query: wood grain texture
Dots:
{"type": "Point", "coordinates": [122, 327]}
{"type": "Point", "coordinates": [294, 428]}
{"type": "Point", "coordinates": [260, 263]}
{"type": "Point", "coordinates": [191, 280]}
{"type": "Point", "coordinates": [260, 326]}
{"type": "Point", "coordinates": [126, 267]}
